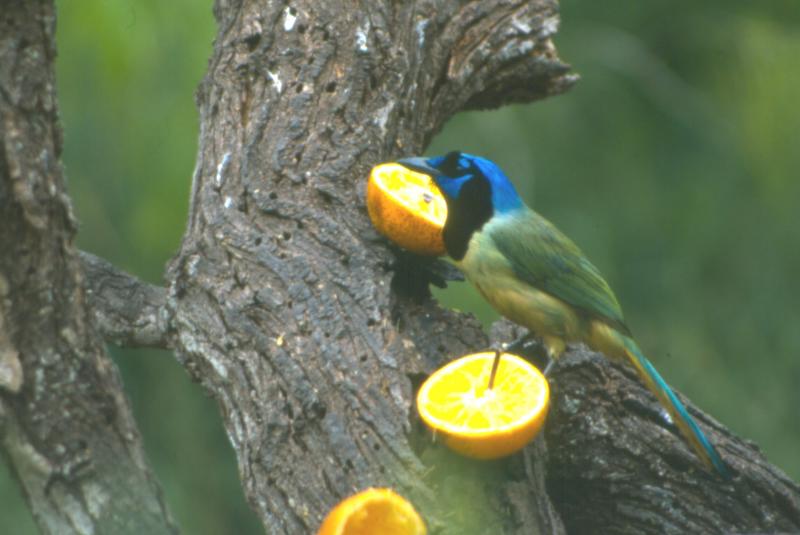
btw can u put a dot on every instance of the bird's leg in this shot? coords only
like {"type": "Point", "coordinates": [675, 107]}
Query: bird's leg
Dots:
{"type": "Point", "coordinates": [549, 366]}
{"type": "Point", "coordinates": [555, 348]}
{"type": "Point", "coordinates": [519, 343]}
{"type": "Point", "coordinates": [495, 364]}
{"type": "Point", "coordinates": [531, 355]}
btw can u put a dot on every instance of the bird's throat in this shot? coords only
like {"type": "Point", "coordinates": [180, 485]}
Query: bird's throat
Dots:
{"type": "Point", "coordinates": [466, 215]}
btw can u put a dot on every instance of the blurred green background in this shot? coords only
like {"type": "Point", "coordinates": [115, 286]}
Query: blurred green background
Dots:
{"type": "Point", "coordinates": [672, 164]}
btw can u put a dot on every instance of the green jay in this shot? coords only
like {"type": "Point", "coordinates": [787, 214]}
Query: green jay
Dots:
{"type": "Point", "coordinates": [537, 277]}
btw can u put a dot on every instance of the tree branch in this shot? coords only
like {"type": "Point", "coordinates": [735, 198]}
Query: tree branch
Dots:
{"type": "Point", "coordinates": [502, 53]}
{"type": "Point", "coordinates": [127, 311]}
{"type": "Point", "coordinates": [470, 55]}
{"type": "Point", "coordinates": [622, 466]}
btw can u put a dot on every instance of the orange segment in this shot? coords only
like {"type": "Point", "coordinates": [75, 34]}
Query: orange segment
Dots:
{"type": "Point", "coordinates": [478, 422]}
{"type": "Point", "coordinates": [371, 512]}
{"type": "Point", "coordinates": [407, 207]}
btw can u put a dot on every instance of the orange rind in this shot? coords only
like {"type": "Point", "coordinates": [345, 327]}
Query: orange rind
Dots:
{"type": "Point", "coordinates": [476, 421]}
{"type": "Point", "coordinates": [407, 207]}
{"type": "Point", "coordinates": [372, 512]}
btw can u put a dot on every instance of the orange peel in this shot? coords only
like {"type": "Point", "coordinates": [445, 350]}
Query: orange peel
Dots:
{"type": "Point", "coordinates": [482, 423]}
{"type": "Point", "coordinates": [373, 511]}
{"type": "Point", "coordinates": [407, 207]}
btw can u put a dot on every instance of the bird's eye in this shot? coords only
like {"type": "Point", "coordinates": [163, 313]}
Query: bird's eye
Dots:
{"type": "Point", "coordinates": [452, 164]}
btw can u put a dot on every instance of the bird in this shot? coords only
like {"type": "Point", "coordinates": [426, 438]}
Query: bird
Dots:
{"type": "Point", "coordinates": [534, 275]}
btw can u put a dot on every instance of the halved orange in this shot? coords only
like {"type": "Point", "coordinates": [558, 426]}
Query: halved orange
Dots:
{"type": "Point", "coordinates": [371, 512]}
{"type": "Point", "coordinates": [479, 422]}
{"type": "Point", "coordinates": [407, 207]}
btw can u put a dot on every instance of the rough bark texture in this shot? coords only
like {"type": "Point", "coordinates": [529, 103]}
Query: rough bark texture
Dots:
{"type": "Point", "coordinates": [312, 332]}
{"type": "Point", "coordinates": [65, 426]}
{"type": "Point", "coordinates": [127, 312]}
{"type": "Point", "coordinates": [626, 470]}
{"type": "Point", "coordinates": [281, 296]}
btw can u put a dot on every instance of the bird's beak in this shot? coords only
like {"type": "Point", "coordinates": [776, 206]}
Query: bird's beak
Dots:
{"type": "Point", "coordinates": [419, 165]}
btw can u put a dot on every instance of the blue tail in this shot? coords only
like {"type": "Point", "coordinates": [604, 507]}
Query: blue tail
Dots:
{"type": "Point", "coordinates": [689, 428]}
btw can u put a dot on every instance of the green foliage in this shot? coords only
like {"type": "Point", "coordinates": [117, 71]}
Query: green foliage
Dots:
{"type": "Point", "coordinates": [672, 164]}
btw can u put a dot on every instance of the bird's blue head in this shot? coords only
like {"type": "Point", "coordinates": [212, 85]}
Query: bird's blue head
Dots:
{"type": "Point", "coordinates": [454, 170]}
{"type": "Point", "coordinates": [475, 189]}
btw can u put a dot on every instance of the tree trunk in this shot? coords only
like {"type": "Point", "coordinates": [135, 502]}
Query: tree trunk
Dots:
{"type": "Point", "coordinates": [65, 426]}
{"type": "Point", "coordinates": [312, 332]}
{"type": "Point", "coordinates": [281, 295]}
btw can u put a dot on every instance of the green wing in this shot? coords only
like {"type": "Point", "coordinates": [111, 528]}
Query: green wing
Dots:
{"type": "Point", "coordinates": [542, 256]}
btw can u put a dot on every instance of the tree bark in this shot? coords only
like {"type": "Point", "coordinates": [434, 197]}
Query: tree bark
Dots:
{"type": "Point", "coordinates": [281, 296]}
{"type": "Point", "coordinates": [625, 469]}
{"type": "Point", "coordinates": [65, 426]}
{"type": "Point", "coordinates": [312, 332]}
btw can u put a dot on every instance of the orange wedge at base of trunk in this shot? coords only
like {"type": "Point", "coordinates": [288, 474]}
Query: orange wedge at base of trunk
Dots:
{"type": "Point", "coordinates": [371, 512]}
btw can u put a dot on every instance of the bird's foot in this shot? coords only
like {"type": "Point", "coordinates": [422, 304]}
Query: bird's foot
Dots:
{"type": "Point", "coordinates": [535, 355]}
{"type": "Point", "coordinates": [518, 344]}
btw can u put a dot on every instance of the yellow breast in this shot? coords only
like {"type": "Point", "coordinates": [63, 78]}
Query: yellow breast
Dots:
{"type": "Point", "coordinates": [490, 272]}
